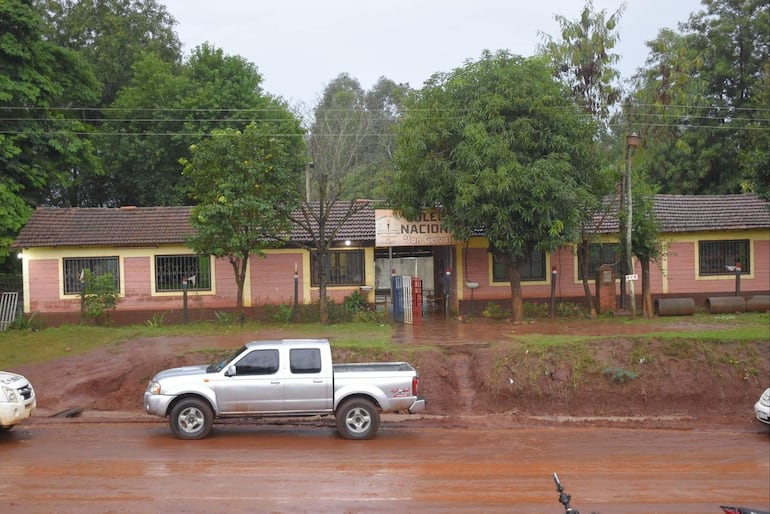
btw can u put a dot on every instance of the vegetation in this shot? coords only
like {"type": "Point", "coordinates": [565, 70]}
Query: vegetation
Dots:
{"type": "Point", "coordinates": [245, 183]}
{"type": "Point", "coordinates": [470, 145]}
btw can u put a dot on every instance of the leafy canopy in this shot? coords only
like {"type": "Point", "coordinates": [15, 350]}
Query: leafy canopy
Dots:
{"type": "Point", "coordinates": [498, 146]}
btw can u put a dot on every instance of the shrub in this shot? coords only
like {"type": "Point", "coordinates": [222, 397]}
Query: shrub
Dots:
{"type": "Point", "coordinates": [494, 311]}
{"type": "Point", "coordinates": [99, 297]}
{"type": "Point", "coordinates": [157, 320]}
{"type": "Point", "coordinates": [619, 375]}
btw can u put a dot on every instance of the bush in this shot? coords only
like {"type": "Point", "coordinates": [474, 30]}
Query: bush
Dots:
{"type": "Point", "coordinates": [157, 320]}
{"type": "Point", "coordinates": [494, 311]}
{"type": "Point", "coordinates": [99, 297]}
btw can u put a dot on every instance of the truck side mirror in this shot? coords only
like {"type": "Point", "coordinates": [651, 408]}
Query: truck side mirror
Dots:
{"type": "Point", "coordinates": [231, 372]}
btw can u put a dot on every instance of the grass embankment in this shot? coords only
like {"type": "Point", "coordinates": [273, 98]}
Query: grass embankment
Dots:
{"type": "Point", "coordinates": [27, 346]}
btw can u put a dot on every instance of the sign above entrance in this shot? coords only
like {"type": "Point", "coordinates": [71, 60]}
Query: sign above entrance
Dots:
{"type": "Point", "coordinates": [394, 230]}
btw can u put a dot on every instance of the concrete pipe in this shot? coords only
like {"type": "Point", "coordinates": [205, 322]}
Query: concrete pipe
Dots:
{"type": "Point", "coordinates": [758, 303]}
{"type": "Point", "coordinates": [674, 307]}
{"type": "Point", "coordinates": [725, 304]}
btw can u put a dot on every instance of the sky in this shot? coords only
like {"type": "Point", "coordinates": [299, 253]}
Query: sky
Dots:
{"type": "Point", "coordinates": [300, 46]}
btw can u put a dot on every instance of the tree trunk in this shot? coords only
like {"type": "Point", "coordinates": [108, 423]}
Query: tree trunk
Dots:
{"type": "Point", "coordinates": [323, 307]}
{"type": "Point", "coordinates": [239, 268]}
{"type": "Point", "coordinates": [647, 308]}
{"type": "Point", "coordinates": [585, 264]}
{"type": "Point", "coordinates": [517, 306]}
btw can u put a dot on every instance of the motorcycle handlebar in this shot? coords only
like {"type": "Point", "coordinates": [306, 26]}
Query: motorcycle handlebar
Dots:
{"type": "Point", "coordinates": [564, 498]}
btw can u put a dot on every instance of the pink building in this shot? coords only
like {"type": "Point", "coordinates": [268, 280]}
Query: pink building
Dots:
{"type": "Point", "coordinates": [143, 248]}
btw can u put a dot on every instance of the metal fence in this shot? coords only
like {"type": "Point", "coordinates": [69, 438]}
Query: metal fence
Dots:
{"type": "Point", "coordinates": [8, 305]}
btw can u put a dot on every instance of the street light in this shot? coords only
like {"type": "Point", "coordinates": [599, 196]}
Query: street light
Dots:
{"type": "Point", "coordinates": [633, 140]}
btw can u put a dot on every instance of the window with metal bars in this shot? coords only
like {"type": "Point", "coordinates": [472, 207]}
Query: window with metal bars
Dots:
{"type": "Point", "coordinates": [531, 270]}
{"type": "Point", "coordinates": [346, 268]}
{"type": "Point", "coordinates": [171, 271]}
{"type": "Point", "coordinates": [599, 254]}
{"type": "Point", "coordinates": [720, 257]}
{"type": "Point", "coordinates": [74, 271]}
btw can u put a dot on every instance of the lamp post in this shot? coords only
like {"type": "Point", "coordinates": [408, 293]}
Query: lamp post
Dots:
{"type": "Point", "coordinates": [632, 140]}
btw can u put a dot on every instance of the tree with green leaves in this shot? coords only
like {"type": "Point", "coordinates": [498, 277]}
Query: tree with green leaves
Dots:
{"type": "Point", "coordinates": [701, 100]}
{"type": "Point", "coordinates": [41, 87]}
{"type": "Point", "coordinates": [244, 183]}
{"type": "Point", "coordinates": [583, 60]}
{"type": "Point", "coordinates": [350, 145]}
{"type": "Point", "coordinates": [498, 146]}
{"type": "Point", "coordinates": [166, 108]}
{"type": "Point", "coordinates": [112, 35]}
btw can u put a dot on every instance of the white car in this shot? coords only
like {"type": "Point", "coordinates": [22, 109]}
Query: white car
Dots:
{"type": "Point", "coordinates": [762, 407]}
{"type": "Point", "coordinates": [17, 399]}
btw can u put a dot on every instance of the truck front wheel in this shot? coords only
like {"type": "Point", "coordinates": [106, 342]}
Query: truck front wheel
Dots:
{"type": "Point", "coordinates": [358, 418]}
{"type": "Point", "coordinates": [191, 418]}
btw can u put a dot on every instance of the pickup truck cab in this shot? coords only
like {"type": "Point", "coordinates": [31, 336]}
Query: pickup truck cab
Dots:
{"type": "Point", "coordinates": [290, 377]}
{"type": "Point", "coordinates": [17, 400]}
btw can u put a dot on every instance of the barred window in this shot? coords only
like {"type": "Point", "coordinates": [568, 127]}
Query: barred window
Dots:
{"type": "Point", "coordinates": [599, 254]}
{"type": "Point", "coordinates": [346, 267]}
{"type": "Point", "coordinates": [720, 257]}
{"type": "Point", "coordinates": [74, 271]}
{"type": "Point", "coordinates": [172, 270]}
{"type": "Point", "coordinates": [531, 270]}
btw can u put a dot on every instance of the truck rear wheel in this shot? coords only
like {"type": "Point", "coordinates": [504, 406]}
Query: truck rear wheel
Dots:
{"type": "Point", "coordinates": [191, 418]}
{"type": "Point", "coordinates": [358, 418]}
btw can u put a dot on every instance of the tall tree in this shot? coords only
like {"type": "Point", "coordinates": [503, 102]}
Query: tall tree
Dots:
{"type": "Point", "coordinates": [168, 107]}
{"type": "Point", "coordinates": [350, 146]}
{"type": "Point", "coordinates": [245, 182]}
{"type": "Point", "coordinates": [700, 96]}
{"type": "Point", "coordinates": [497, 145]}
{"type": "Point", "coordinates": [41, 86]}
{"type": "Point", "coordinates": [112, 35]}
{"type": "Point", "coordinates": [583, 60]}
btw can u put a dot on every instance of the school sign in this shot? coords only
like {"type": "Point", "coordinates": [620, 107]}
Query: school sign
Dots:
{"type": "Point", "coordinates": [391, 229]}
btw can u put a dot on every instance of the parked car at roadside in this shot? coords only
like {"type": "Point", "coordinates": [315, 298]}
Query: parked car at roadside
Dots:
{"type": "Point", "coordinates": [284, 378]}
{"type": "Point", "coordinates": [17, 400]}
{"type": "Point", "coordinates": [762, 407]}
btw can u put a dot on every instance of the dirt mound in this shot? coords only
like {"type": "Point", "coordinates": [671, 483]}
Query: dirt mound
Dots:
{"type": "Point", "coordinates": [472, 369]}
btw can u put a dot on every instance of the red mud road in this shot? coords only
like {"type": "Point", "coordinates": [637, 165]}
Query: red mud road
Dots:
{"type": "Point", "coordinates": [95, 465]}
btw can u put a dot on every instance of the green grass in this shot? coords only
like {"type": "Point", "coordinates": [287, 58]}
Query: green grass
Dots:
{"type": "Point", "coordinates": [27, 346]}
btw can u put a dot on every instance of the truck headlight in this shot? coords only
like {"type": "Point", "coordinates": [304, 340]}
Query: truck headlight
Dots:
{"type": "Point", "coordinates": [9, 395]}
{"type": "Point", "coordinates": [153, 387]}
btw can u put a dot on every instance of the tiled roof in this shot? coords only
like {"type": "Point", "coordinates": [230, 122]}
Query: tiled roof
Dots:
{"type": "Point", "coordinates": [359, 225]}
{"type": "Point", "coordinates": [680, 213]}
{"type": "Point", "coordinates": [143, 226]}
{"type": "Point", "coordinates": [695, 213]}
{"type": "Point", "coordinates": [125, 226]}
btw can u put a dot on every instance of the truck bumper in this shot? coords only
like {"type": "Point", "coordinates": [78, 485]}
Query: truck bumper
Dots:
{"type": "Point", "coordinates": [12, 413]}
{"type": "Point", "coordinates": [417, 406]}
{"type": "Point", "coordinates": [156, 404]}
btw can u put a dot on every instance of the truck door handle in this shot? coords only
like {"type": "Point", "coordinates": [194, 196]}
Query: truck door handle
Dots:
{"type": "Point", "coordinates": [318, 381]}
{"type": "Point", "coordinates": [276, 382]}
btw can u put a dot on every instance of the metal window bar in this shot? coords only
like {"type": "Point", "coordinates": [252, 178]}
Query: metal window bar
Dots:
{"type": "Point", "coordinates": [74, 269]}
{"type": "Point", "coordinates": [720, 257]}
{"type": "Point", "coordinates": [345, 268]}
{"type": "Point", "coordinates": [172, 270]}
{"type": "Point", "coordinates": [532, 269]}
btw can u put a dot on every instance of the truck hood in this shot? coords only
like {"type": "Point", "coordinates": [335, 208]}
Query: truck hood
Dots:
{"type": "Point", "coordinates": [184, 371]}
{"type": "Point", "coordinates": [12, 379]}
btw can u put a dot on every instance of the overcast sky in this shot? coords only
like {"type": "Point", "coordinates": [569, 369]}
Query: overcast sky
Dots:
{"type": "Point", "coordinates": [299, 46]}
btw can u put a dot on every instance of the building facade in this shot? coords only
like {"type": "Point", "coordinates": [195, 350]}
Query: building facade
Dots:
{"type": "Point", "coordinates": [143, 249]}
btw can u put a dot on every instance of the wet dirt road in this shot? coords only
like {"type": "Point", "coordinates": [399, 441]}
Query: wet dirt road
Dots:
{"type": "Point", "coordinates": [133, 465]}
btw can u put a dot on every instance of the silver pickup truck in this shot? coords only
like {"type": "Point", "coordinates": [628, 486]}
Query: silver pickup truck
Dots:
{"type": "Point", "coordinates": [291, 377]}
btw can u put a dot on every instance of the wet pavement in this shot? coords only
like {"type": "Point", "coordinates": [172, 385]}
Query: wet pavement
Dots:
{"type": "Point", "coordinates": [138, 466]}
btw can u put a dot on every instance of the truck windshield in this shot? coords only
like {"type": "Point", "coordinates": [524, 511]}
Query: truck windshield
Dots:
{"type": "Point", "coordinates": [215, 368]}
